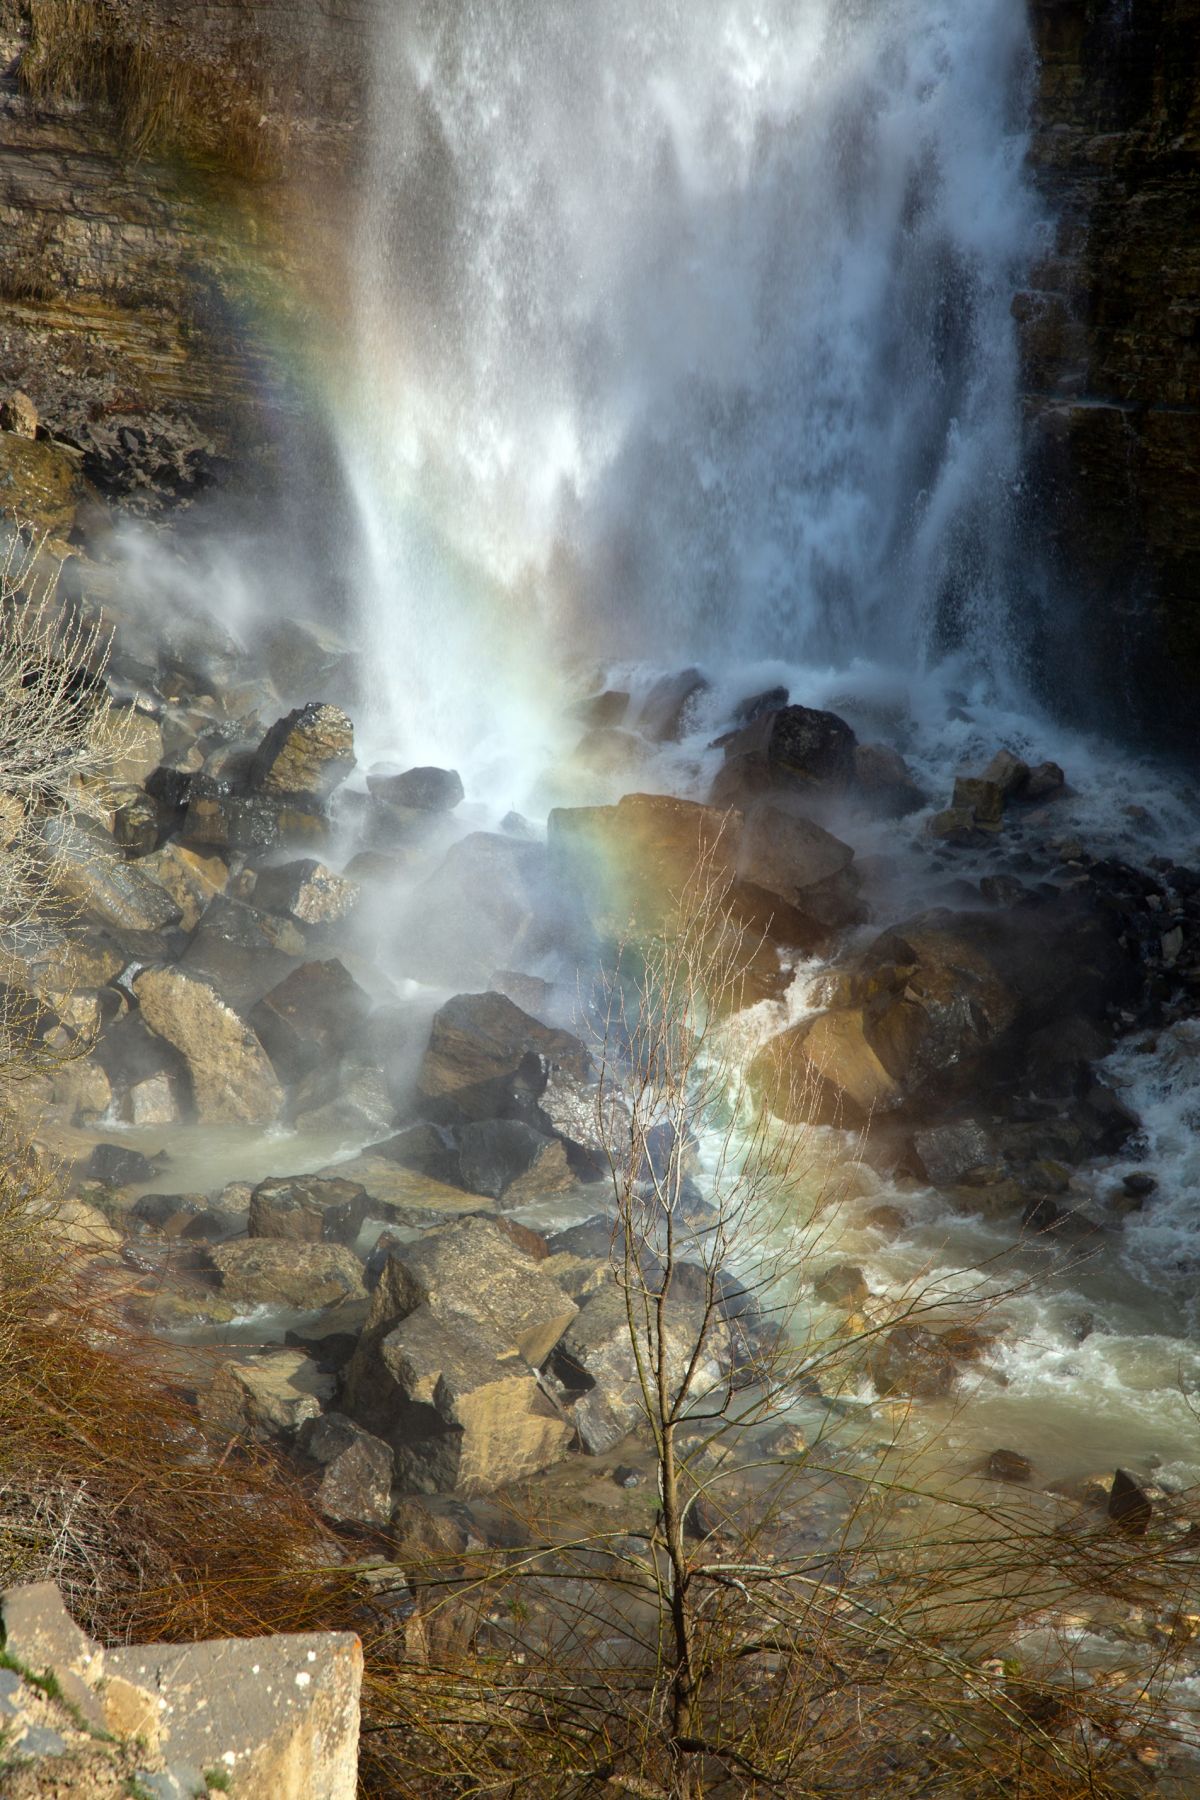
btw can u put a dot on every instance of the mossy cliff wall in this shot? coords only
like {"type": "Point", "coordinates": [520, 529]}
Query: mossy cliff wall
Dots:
{"type": "Point", "coordinates": [1111, 336]}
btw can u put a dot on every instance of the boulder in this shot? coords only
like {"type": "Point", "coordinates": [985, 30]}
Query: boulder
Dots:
{"type": "Point", "coordinates": [1009, 1465]}
{"type": "Point", "coordinates": [279, 1272]}
{"type": "Point", "coordinates": [597, 1368]}
{"type": "Point", "coordinates": [265, 1397]}
{"type": "Point", "coordinates": [419, 790]}
{"type": "Point", "coordinates": [119, 1166]}
{"type": "Point", "coordinates": [39, 488]}
{"type": "Point", "coordinates": [507, 1159]}
{"type": "Point", "coordinates": [250, 823]}
{"type": "Point", "coordinates": [784, 857]}
{"type": "Point", "coordinates": [1045, 782]}
{"type": "Point", "coordinates": [314, 1016]}
{"type": "Point", "coordinates": [946, 1154]}
{"type": "Point", "coordinates": [640, 866]}
{"type": "Point", "coordinates": [135, 822]}
{"type": "Point", "coordinates": [356, 1483]}
{"type": "Point", "coordinates": [912, 1361]}
{"type": "Point", "coordinates": [445, 1367]}
{"type": "Point", "coordinates": [241, 950]}
{"type": "Point", "coordinates": [885, 783]}
{"type": "Point", "coordinates": [797, 748]}
{"type": "Point", "coordinates": [307, 892]}
{"type": "Point", "coordinates": [310, 1209]}
{"type": "Point", "coordinates": [842, 1285]}
{"type": "Point", "coordinates": [487, 1059]}
{"type": "Point", "coordinates": [19, 415]}
{"type": "Point", "coordinates": [307, 754]}
{"type": "Point", "coordinates": [189, 877]}
{"type": "Point", "coordinates": [490, 903]}
{"type": "Point", "coordinates": [91, 871]}
{"type": "Point", "coordinates": [1129, 1505]}
{"type": "Point", "coordinates": [351, 1097]}
{"type": "Point", "coordinates": [303, 657]}
{"type": "Point", "coordinates": [151, 1101]}
{"type": "Point", "coordinates": [983, 799]}
{"type": "Point", "coordinates": [1007, 772]}
{"type": "Point", "coordinates": [232, 1080]}
{"type": "Point", "coordinates": [663, 712]}
{"type": "Point", "coordinates": [826, 1071]}
{"type": "Point", "coordinates": [602, 711]}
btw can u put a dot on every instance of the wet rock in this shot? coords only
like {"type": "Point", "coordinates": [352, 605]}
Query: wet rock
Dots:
{"type": "Point", "coordinates": [983, 799]}
{"type": "Point", "coordinates": [278, 1272]}
{"type": "Point", "coordinates": [597, 1369]}
{"type": "Point", "coordinates": [912, 1361]}
{"type": "Point", "coordinates": [191, 879]}
{"type": "Point", "coordinates": [241, 950]}
{"type": "Point", "coordinates": [1007, 772]}
{"type": "Point", "coordinates": [1002, 890]}
{"type": "Point", "coordinates": [445, 1367]}
{"type": "Point", "coordinates": [783, 856]}
{"type": "Point", "coordinates": [956, 826]}
{"type": "Point", "coordinates": [421, 790]}
{"type": "Point", "coordinates": [250, 823]}
{"type": "Point", "coordinates": [1140, 1184]}
{"type": "Point", "coordinates": [507, 1159]}
{"type": "Point", "coordinates": [431, 1149]}
{"type": "Point", "coordinates": [529, 992]}
{"type": "Point", "coordinates": [611, 752]}
{"type": "Point", "coordinates": [639, 865]}
{"type": "Point", "coordinates": [91, 871]}
{"type": "Point", "coordinates": [307, 892]}
{"type": "Point", "coordinates": [602, 711]}
{"type": "Point", "coordinates": [179, 1216]}
{"type": "Point", "coordinates": [798, 748]}
{"type": "Point", "coordinates": [1045, 782]}
{"type": "Point", "coordinates": [308, 1209]}
{"type": "Point", "coordinates": [754, 706]}
{"type": "Point", "coordinates": [304, 658]}
{"type": "Point", "coordinates": [352, 1098]}
{"type": "Point", "coordinates": [885, 782]}
{"type": "Point", "coordinates": [152, 1101]}
{"type": "Point", "coordinates": [307, 753]}
{"type": "Point", "coordinates": [887, 1219]}
{"type": "Point", "coordinates": [315, 1015]}
{"type": "Point", "coordinates": [265, 1396]}
{"type": "Point", "coordinates": [356, 1487]}
{"type": "Point", "coordinates": [135, 823]}
{"type": "Point", "coordinates": [1129, 1505]}
{"type": "Point", "coordinates": [490, 903]}
{"type": "Point", "coordinates": [487, 1059]}
{"type": "Point", "coordinates": [1009, 1465]}
{"type": "Point", "coordinates": [663, 712]}
{"type": "Point", "coordinates": [826, 1071]}
{"type": "Point", "coordinates": [949, 1153]}
{"type": "Point", "coordinates": [842, 1285]}
{"type": "Point", "coordinates": [231, 1076]}
{"type": "Point", "coordinates": [119, 1166]}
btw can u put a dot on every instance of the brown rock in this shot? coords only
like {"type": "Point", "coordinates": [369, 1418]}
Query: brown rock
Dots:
{"type": "Point", "coordinates": [307, 1209]}
{"type": "Point", "coordinates": [271, 1271]}
{"type": "Point", "coordinates": [842, 1285]}
{"type": "Point", "coordinates": [19, 415]}
{"type": "Point", "coordinates": [885, 781]}
{"type": "Point", "coordinates": [487, 1059]}
{"type": "Point", "coordinates": [795, 747]}
{"type": "Point", "coordinates": [307, 892]}
{"type": "Point", "coordinates": [983, 799]}
{"type": "Point", "coordinates": [825, 1070]}
{"type": "Point", "coordinates": [265, 1396]}
{"type": "Point", "coordinates": [912, 1361]}
{"type": "Point", "coordinates": [232, 1079]}
{"type": "Point", "coordinates": [783, 856]}
{"type": "Point", "coordinates": [1009, 1465]}
{"type": "Point", "coordinates": [315, 1015]}
{"type": "Point", "coordinates": [307, 753]}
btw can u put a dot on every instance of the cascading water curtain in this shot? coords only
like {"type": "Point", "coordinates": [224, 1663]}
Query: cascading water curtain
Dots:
{"type": "Point", "coordinates": [681, 329]}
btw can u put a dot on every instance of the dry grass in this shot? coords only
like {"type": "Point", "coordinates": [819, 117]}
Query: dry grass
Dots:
{"type": "Point", "coordinates": [165, 96]}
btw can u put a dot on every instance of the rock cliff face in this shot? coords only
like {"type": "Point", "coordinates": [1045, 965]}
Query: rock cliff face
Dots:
{"type": "Point", "coordinates": [145, 273]}
{"type": "Point", "coordinates": [1111, 338]}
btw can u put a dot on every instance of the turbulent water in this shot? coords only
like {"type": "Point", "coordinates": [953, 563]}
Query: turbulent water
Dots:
{"type": "Point", "coordinates": [680, 329]}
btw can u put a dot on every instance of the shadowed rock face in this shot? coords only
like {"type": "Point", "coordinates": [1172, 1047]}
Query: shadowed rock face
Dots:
{"type": "Point", "coordinates": [1110, 336]}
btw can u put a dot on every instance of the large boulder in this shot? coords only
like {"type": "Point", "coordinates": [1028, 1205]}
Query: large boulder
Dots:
{"type": "Point", "coordinates": [825, 1071]}
{"type": "Point", "coordinates": [785, 858]}
{"type": "Point", "coordinates": [490, 904]}
{"type": "Point", "coordinates": [884, 782]}
{"type": "Point", "coordinates": [191, 879]}
{"type": "Point", "coordinates": [307, 892]}
{"type": "Point", "coordinates": [282, 1272]}
{"type": "Point", "coordinates": [250, 823]}
{"type": "Point", "coordinates": [596, 1364]}
{"type": "Point", "coordinates": [241, 950]}
{"type": "Point", "coordinates": [445, 1368]}
{"type": "Point", "coordinates": [487, 1059]}
{"type": "Point", "coordinates": [310, 1209]}
{"type": "Point", "coordinates": [231, 1076]}
{"type": "Point", "coordinates": [663, 712]}
{"type": "Point", "coordinates": [315, 1015]}
{"type": "Point", "coordinates": [356, 1483]}
{"type": "Point", "coordinates": [417, 790]}
{"type": "Point", "coordinates": [642, 867]}
{"type": "Point", "coordinates": [307, 753]}
{"type": "Point", "coordinates": [265, 1397]}
{"type": "Point", "coordinates": [797, 748]}
{"type": "Point", "coordinates": [509, 1160]}
{"type": "Point", "coordinates": [89, 868]}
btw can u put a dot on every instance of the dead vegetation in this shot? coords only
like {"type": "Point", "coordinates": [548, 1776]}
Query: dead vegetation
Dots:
{"type": "Point", "coordinates": [165, 96]}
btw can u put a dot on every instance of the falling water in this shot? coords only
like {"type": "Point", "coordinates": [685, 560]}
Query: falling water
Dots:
{"type": "Point", "coordinates": [681, 330]}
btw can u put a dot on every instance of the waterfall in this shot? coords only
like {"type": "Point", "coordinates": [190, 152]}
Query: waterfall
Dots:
{"type": "Point", "coordinates": [680, 329]}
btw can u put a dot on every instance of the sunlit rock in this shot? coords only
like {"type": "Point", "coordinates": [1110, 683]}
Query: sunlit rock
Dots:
{"type": "Point", "coordinates": [307, 892]}
{"type": "Point", "coordinates": [308, 753]}
{"type": "Point", "coordinates": [283, 1272]}
{"type": "Point", "coordinates": [231, 1075]}
{"type": "Point", "coordinates": [311, 1018]}
{"type": "Point", "coordinates": [307, 1209]}
{"type": "Point", "coordinates": [265, 1396]}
